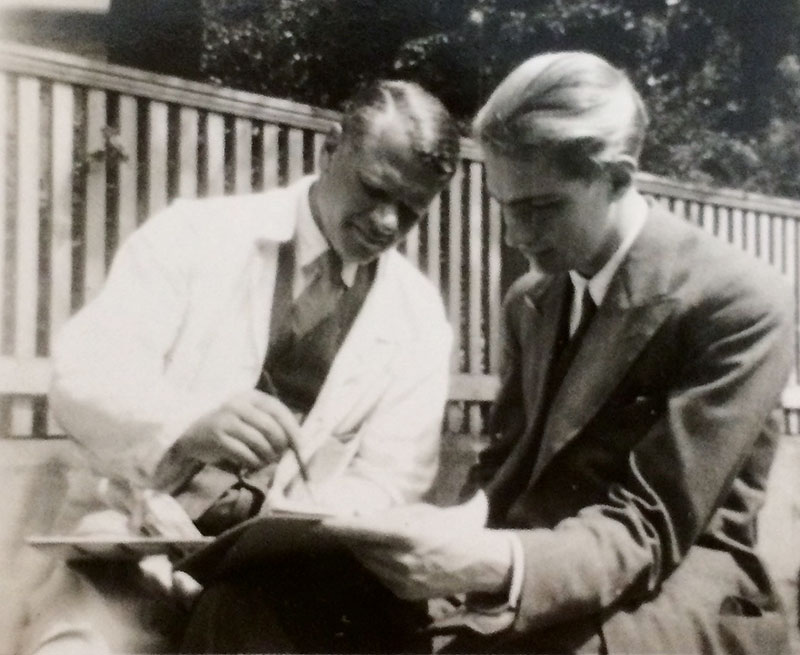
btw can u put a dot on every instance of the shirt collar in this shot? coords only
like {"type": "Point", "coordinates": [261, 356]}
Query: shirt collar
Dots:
{"type": "Point", "coordinates": [632, 224]}
{"type": "Point", "coordinates": [310, 243]}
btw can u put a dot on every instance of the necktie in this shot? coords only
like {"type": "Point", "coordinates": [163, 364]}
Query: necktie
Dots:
{"type": "Point", "coordinates": [567, 345]}
{"type": "Point", "coordinates": [587, 310]}
{"type": "Point", "coordinates": [321, 296]}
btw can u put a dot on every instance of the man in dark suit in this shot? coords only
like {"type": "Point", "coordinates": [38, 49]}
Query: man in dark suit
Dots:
{"type": "Point", "coordinates": [616, 502]}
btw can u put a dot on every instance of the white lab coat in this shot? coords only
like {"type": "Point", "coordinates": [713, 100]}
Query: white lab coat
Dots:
{"type": "Point", "coordinates": [182, 324]}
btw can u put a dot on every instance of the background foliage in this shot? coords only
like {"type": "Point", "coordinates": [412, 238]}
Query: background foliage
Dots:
{"type": "Point", "coordinates": [721, 78]}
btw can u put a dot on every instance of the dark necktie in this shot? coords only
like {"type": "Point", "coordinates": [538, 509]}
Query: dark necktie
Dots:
{"type": "Point", "coordinates": [567, 345]}
{"type": "Point", "coordinates": [321, 296]}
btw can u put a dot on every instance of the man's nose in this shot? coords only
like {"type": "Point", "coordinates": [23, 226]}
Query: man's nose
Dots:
{"type": "Point", "coordinates": [384, 217]}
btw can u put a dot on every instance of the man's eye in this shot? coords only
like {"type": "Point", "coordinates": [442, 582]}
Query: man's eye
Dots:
{"type": "Point", "coordinates": [373, 192]}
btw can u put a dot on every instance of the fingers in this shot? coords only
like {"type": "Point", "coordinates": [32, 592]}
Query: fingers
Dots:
{"type": "Point", "coordinates": [248, 431]}
{"type": "Point", "coordinates": [253, 439]}
{"type": "Point", "coordinates": [281, 414]}
{"type": "Point", "coordinates": [236, 452]}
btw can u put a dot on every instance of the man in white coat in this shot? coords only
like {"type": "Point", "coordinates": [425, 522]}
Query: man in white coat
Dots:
{"type": "Point", "coordinates": [199, 356]}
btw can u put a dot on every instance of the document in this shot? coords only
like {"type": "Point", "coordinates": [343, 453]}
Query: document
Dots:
{"type": "Point", "coordinates": [258, 539]}
{"type": "Point", "coordinates": [292, 526]}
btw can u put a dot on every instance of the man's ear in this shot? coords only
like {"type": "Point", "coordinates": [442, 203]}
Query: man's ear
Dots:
{"type": "Point", "coordinates": [332, 141]}
{"type": "Point", "coordinates": [621, 172]}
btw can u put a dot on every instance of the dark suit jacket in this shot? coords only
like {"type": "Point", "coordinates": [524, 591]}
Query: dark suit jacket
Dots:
{"type": "Point", "coordinates": [635, 491]}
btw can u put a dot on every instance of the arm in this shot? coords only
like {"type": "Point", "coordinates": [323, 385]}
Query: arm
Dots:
{"type": "Point", "coordinates": [737, 357]}
{"type": "Point", "coordinates": [109, 391]}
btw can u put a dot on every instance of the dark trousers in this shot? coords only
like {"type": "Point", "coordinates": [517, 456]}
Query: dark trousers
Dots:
{"type": "Point", "coordinates": [323, 602]}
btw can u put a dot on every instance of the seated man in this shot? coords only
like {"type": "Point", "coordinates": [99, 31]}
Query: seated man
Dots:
{"type": "Point", "coordinates": [634, 428]}
{"type": "Point", "coordinates": [230, 329]}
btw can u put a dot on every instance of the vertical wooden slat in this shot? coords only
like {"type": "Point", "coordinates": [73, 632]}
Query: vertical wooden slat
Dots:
{"type": "Point", "coordinates": [433, 225]}
{"type": "Point", "coordinates": [5, 402]}
{"type": "Point", "coordinates": [736, 218]}
{"type": "Point", "coordinates": [189, 120]}
{"type": "Point", "coordinates": [751, 233]}
{"type": "Point", "coordinates": [796, 285]}
{"type": "Point", "coordinates": [158, 135]}
{"type": "Point", "coordinates": [790, 271]}
{"type": "Point", "coordinates": [244, 155]}
{"type": "Point", "coordinates": [764, 237]}
{"type": "Point", "coordinates": [27, 240]}
{"type": "Point", "coordinates": [128, 169]}
{"type": "Point", "coordinates": [95, 219]}
{"type": "Point", "coordinates": [61, 240]}
{"type": "Point", "coordinates": [679, 208]}
{"type": "Point", "coordinates": [295, 154]}
{"type": "Point", "coordinates": [695, 213]}
{"type": "Point", "coordinates": [777, 241]}
{"type": "Point", "coordinates": [454, 265]}
{"type": "Point", "coordinates": [708, 219]}
{"type": "Point", "coordinates": [4, 173]}
{"type": "Point", "coordinates": [494, 283]}
{"type": "Point", "coordinates": [319, 144]}
{"type": "Point", "coordinates": [270, 156]}
{"type": "Point", "coordinates": [412, 245]}
{"type": "Point", "coordinates": [63, 116]}
{"type": "Point", "coordinates": [215, 154]}
{"type": "Point", "coordinates": [477, 343]}
{"type": "Point", "coordinates": [789, 252]}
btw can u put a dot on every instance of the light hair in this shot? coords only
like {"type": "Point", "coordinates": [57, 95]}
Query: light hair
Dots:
{"type": "Point", "coordinates": [574, 106]}
{"type": "Point", "coordinates": [432, 132]}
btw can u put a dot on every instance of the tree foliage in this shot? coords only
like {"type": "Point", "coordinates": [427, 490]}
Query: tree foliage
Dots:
{"type": "Point", "coordinates": [721, 79]}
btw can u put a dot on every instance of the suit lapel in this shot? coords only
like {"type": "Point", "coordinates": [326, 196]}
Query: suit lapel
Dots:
{"type": "Point", "coordinates": [543, 308]}
{"type": "Point", "coordinates": [594, 374]}
{"type": "Point", "coordinates": [636, 305]}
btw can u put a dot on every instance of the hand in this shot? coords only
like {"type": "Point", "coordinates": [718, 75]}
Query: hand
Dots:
{"type": "Point", "coordinates": [249, 431]}
{"type": "Point", "coordinates": [158, 514]}
{"type": "Point", "coordinates": [421, 551]}
{"type": "Point", "coordinates": [162, 580]}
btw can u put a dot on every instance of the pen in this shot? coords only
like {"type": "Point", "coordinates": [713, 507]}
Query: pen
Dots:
{"type": "Point", "coordinates": [266, 384]}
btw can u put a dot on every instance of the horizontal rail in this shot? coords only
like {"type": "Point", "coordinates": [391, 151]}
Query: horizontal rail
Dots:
{"type": "Point", "coordinates": [82, 71]}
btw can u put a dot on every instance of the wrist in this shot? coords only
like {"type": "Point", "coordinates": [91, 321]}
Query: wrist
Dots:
{"type": "Point", "coordinates": [498, 563]}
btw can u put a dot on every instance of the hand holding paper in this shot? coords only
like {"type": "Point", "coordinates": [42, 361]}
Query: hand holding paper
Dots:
{"type": "Point", "coordinates": [421, 551]}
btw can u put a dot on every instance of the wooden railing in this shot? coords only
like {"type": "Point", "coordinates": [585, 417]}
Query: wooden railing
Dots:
{"type": "Point", "coordinates": [90, 150]}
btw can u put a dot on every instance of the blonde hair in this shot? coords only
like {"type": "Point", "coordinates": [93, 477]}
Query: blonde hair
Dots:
{"type": "Point", "coordinates": [575, 106]}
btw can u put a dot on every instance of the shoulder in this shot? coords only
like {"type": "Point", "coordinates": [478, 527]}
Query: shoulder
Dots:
{"type": "Point", "coordinates": [714, 278]}
{"type": "Point", "coordinates": [419, 299]}
{"type": "Point", "coordinates": [229, 215]}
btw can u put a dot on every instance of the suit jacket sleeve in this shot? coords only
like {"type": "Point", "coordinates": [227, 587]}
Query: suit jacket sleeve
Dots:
{"type": "Point", "coordinates": [108, 389]}
{"type": "Point", "coordinates": [736, 354]}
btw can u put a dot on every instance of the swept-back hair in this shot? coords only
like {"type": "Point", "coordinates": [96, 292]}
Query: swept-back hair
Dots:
{"type": "Point", "coordinates": [431, 130]}
{"type": "Point", "coordinates": [574, 106]}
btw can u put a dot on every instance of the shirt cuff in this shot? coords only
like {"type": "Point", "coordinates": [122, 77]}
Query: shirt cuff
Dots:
{"type": "Point", "coordinates": [486, 614]}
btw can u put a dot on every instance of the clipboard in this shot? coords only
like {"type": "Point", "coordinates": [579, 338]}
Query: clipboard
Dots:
{"type": "Point", "coordinates": [259, 539]}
